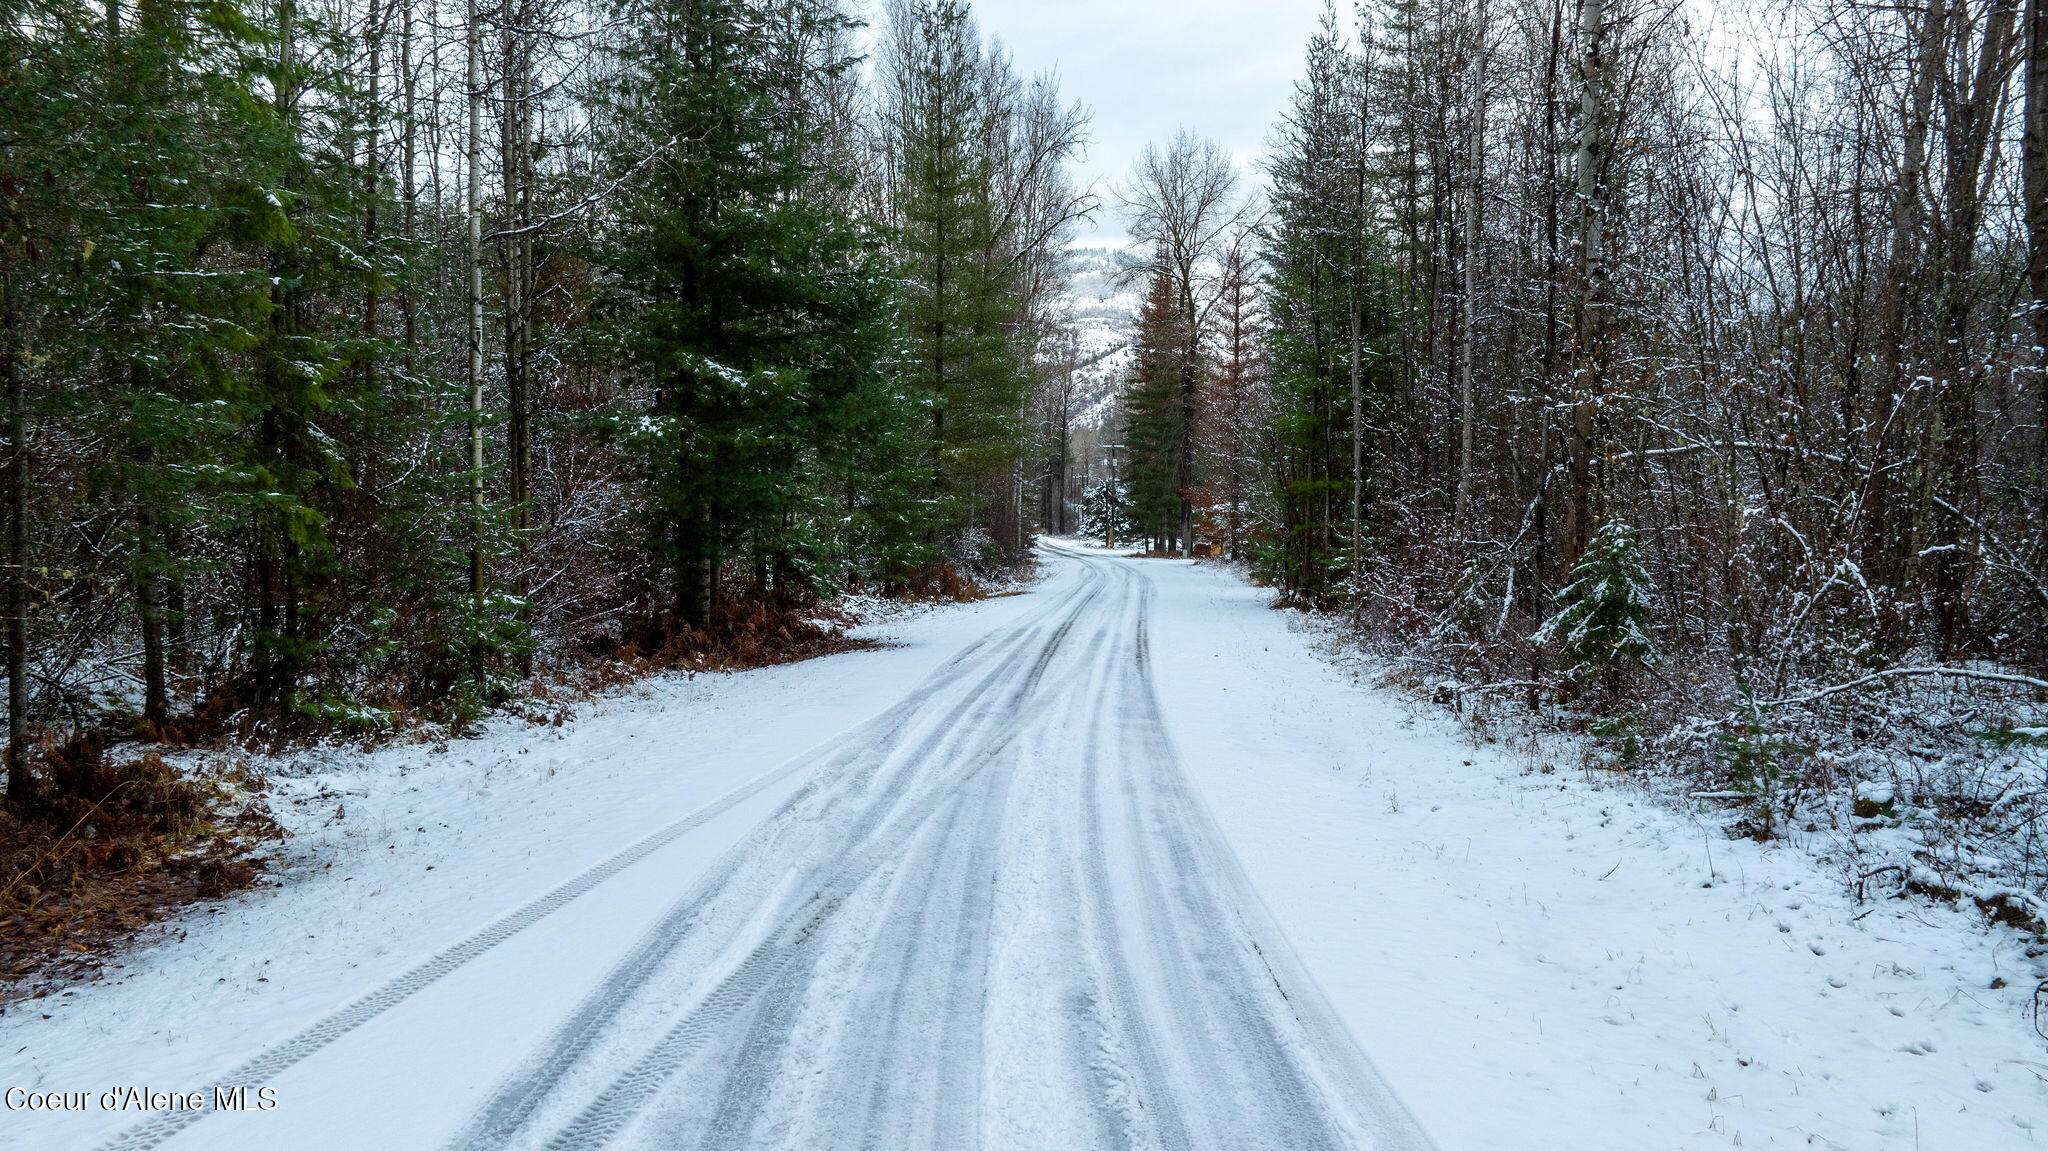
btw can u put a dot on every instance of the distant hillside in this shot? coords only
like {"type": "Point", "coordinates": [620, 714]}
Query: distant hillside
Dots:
{"type": "Point", "coordinates": [1103, 312]}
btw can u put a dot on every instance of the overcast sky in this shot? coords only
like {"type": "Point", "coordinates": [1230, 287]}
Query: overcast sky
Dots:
{"type": "Point", "coordinates": [1145, 67]}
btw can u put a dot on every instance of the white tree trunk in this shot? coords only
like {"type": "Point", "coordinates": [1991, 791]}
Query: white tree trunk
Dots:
{"type": "Point", "coordinates": [476, 297]}
{"type": "Point", "coordinates": [1588, 350]}
{"type": "Point", "coordinates": [1475, 183]}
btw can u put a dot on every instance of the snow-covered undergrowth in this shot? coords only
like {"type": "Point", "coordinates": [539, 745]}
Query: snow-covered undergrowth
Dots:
{"type": "Point", "coordinates": [1922, 777]}
{"type": "Point", "coordinates": [1936, 788]}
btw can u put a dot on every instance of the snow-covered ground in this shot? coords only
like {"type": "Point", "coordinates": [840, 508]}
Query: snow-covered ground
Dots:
{"type": "Point", "coordinates": [1530, 960]}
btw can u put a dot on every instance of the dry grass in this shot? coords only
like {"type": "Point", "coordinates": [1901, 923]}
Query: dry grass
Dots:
{"type": "Point", "coordinates": [939, 583]}
{"type": "Point", "coordinates": [742, 633]}
{"type": "Point", "coordinates": [104, 847]}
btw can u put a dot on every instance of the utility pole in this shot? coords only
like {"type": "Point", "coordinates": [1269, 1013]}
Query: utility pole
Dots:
{"type": "Point", "coordinates": [1109, 527]}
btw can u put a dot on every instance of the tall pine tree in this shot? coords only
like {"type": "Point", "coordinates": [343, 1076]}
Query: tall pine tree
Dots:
{"type": "Point", "coordinates": [1153, 412]}
{"type": "Point", "coordinates": [753, 311]}
{"type": "Point", "coordinates": [965, 358]}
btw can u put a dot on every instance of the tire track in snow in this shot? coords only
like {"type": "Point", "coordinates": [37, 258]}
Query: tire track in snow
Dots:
{"type": "Point", "coordinates": [502, 1119]}
{"type": "Point", "coordinates": [827, 982]}
{"type": "Point", "coordinates": [1150, 1108]}
{"type": "Point", "coordinates": [274, 1061]}
{"type": "Point", "coordinates": [1208, 1035]}
{"type": "Point", "coordinates": [1327, 1070]}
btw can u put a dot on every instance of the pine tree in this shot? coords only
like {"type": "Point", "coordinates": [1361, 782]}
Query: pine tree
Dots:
{"type": "Point", "coordinates": [44, 46]}
{"type": "Point", "coordinates": [754, 310]}
{"type": "Point", "coordinates": [309, 397]}
{"type": "Point", "coordinates": [962, 299]}
{"type": "Point", "coordinates": [1324, 263]}
{"type": "Point", "coordinates": [1104, 505]}
{"type": "Point", "coordinates": [1154, 413]}
{"type": "Point", "coordinates": [1603, 620]}
{"type": "Point", "coordinates": [234, 364]}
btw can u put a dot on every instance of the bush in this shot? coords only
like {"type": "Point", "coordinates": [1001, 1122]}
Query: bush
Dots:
{"type": "Point", "coordinates": [1760, 762]}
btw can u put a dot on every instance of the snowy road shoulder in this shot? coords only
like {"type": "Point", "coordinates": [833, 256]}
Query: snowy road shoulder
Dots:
{"type": "Point", "coordinates": [1536, 961]}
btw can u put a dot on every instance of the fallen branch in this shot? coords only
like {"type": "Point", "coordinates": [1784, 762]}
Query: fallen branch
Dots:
{"type": "Point", "coordinates": [1502, 685]}
{"type": "Point", "coordinates": [1901, 672]}
{"type": "Point", "coordinates": [1873, 873]}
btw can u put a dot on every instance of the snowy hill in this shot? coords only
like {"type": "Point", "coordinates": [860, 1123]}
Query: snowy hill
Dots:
{"type": "Point", "coordinates": [1103, 312]}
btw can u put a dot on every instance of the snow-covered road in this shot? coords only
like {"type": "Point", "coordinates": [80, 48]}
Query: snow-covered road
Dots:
{"type": "Point", "coordinates": [994, 915]}
{"type": "Point", "coordinates": [1028, 879]}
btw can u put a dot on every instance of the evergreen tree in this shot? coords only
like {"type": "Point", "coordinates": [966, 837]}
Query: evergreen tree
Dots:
{"type": "Point", "coordinates": [1154, 413]}
{"type": "Point", "coordinates": [965, 356]}
{"type": "Point", "coordinates": [754, 311]}
{"type": "Point", "coordinates": [47, 47]}
{"type": "Point", "coordinates": [1603, 619]}
{"type": "Point", "coordinates": [1105, 504]}
{"type": "Point", "coordinates": [731, 325]}
{"type": "Point", "coordinates": [1182, 201]}
{"type": "Point", "coordinates": [1322, 262]}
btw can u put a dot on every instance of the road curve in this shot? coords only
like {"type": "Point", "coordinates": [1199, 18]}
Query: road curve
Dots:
{"type": "Point", "coordinates": [995, 916]}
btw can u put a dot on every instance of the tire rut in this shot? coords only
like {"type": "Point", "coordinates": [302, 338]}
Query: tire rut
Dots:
{"type": "Point", "coordinates": [861, 850]}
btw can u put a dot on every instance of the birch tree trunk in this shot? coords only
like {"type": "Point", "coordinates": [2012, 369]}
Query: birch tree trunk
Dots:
{"type": "Point", "coordinates": [2034, 188]}
{"type": "Point", "coordinates": [1475, 180]}
{"type": "Point", "coordinates": [1358, 224]}
{"type": "Point", "coordinates": [517, 247]}
{"type": "Point", "coordinates": [1589, 350]}
{"type": "Point", "coordinates": [474, 211]}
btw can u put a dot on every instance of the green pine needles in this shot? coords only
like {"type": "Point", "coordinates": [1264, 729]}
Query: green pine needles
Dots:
{"type": "Point", "coordinates": [1104, 504]}
{"type": "Point", "coordinates": [1602, 623]}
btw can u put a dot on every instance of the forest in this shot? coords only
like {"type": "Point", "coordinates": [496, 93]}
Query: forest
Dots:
{"type": "Point", "coordinates": [1666, 373]}
{"type": "Point", "coordinates": [1237, 573]}
{"type": "Point", "coordinates": [356, 355]}
{"type": "Point", "coordinates": [1673, 375]}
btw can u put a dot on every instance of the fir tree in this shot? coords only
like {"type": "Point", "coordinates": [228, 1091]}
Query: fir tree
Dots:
{"type": "Point", "coordinates": [1603, 619]}
{"type": "Point", "coordinates": [966, 358]}
{"type": "Point", "coordinates": [753, 309]}
{"type": "Point", "coordinates": [1105, 505]}
{"type": "Point", "coordinates": [1324, 260]}
{"type": "Point", "coordinates": [1154, 413]}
